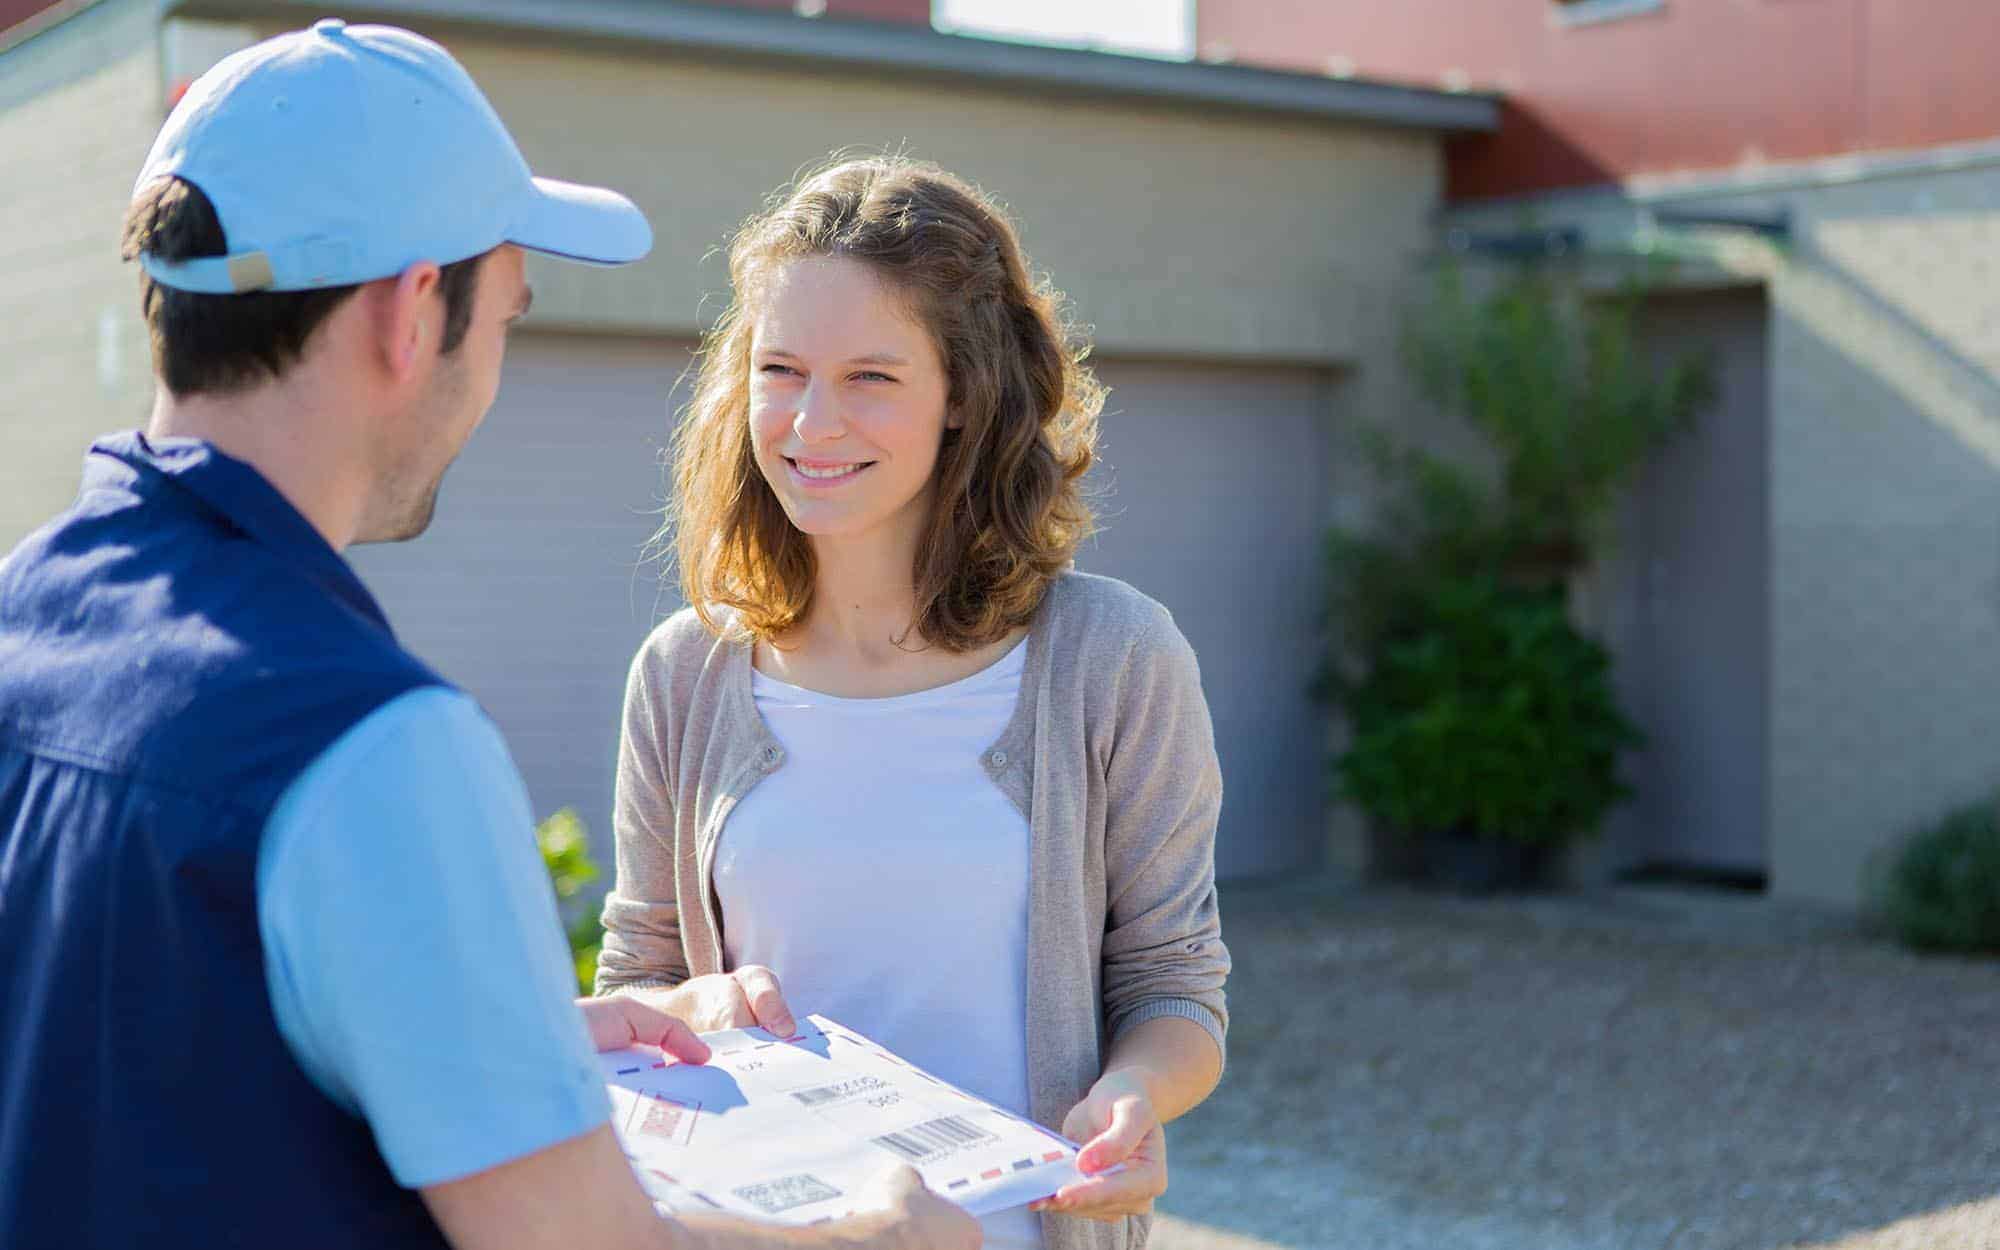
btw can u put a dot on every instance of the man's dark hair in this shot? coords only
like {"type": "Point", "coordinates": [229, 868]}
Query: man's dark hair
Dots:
{"type": "Point", "coordinates": [220, 343]}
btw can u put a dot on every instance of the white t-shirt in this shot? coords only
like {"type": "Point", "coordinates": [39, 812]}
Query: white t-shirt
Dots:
{"type": "Point", "coordinates": [884, 878]}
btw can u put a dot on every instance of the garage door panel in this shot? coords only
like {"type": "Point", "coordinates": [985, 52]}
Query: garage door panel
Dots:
{"type": "Point", "coordinates": [1213, 493]}
{"type": "Point", "coordinates": [532, 591]}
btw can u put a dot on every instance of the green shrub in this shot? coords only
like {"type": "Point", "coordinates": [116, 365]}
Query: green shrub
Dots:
{"type": "Point", "coordinates": [1492, 717]}
{"type": "Point", "coordinates": [1559, 388]}
{"type": "Point", "coordinates": [566, 854]}
{"type": "Point", "coordinates": [1940, 889]}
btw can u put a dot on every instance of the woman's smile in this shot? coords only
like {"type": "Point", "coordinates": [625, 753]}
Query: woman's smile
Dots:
{"type": "Point", "coordinates": [823, 474]}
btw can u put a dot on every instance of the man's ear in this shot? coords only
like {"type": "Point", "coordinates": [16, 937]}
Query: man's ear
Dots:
{"type": "Point", "coordinates": [408, 318]}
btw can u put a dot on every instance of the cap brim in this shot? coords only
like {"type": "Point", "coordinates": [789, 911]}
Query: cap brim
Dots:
{"type": "Point", "coordinates": [589, 224]}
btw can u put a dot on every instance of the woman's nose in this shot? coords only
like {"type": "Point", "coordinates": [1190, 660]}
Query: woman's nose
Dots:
{"type": "Point", "coordinates": [818, 417]}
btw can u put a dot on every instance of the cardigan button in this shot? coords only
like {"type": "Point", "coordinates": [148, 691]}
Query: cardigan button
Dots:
{"type": "Point", "coordinates": [770, 757]}
{"type": "Point", "coordinates": [999, 759]}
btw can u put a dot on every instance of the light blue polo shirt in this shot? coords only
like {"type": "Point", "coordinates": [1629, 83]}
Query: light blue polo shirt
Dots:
{"type": "Point", "coordinates": [415, 959]}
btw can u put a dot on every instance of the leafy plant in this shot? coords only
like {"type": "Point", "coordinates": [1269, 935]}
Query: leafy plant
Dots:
{"type": "Point", "coordinates": [566, 854]}
{"type": "Point", "coordinates": [1475, 707]}
{"type": "Point", "coordinates": [1562, 391]}
{"type": "Point", "coordinates": [1494, 718]}
{"type": "Point", "coordinates": [1940, 888]}
{"type": "Point", "coordinates": [1561, 386]}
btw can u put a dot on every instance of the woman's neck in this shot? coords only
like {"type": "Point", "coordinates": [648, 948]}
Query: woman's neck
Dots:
{"type": "Point", "coordinates": [859, 640]}
{"type": "Point", "coordinates": [864, 598]}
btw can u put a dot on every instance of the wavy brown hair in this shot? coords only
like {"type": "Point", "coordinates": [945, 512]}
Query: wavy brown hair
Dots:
{"type": "Point", "coordinates": [1008, 507]}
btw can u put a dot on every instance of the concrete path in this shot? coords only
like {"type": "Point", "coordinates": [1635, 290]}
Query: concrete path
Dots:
{"type": "Point", "coordinates": [1635, 1068]}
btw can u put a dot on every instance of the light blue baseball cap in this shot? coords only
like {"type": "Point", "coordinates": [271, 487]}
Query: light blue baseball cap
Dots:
{"type": "Point", "coordinates": [343, 154]}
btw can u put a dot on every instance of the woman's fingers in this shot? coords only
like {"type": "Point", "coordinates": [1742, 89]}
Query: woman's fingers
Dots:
{"type": "Point", "coordinates": [1131, 1120]}
{"type": "Point", "coordinates": [765, 999]}
{"type": "Point", "coordinates": [1079, 1125]}
{"type": "Point", "coordinates": [1129, 1192]}
{"type": "Point", "coordinates": [1122, 1130]}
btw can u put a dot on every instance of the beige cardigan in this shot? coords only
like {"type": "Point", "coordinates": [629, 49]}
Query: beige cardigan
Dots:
{"type": "Point", "coordinates": [1109, 755]}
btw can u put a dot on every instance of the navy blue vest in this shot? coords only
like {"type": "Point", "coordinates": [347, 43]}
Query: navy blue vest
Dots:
{"type": "Point", "coordinates": [174, 650]}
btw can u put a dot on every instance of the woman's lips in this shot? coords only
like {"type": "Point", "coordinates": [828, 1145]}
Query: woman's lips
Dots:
{"type": "Point", "coordinates": [820, 474]}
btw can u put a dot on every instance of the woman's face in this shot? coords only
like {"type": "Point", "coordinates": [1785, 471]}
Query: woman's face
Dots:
{"type": "Point", "coordinates": [847, 400]}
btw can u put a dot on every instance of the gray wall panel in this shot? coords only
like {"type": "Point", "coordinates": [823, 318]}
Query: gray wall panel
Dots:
{"type": "Point", "coordinates": [1688, 617]}
{"type": "Point", "coordinates": [1217, 483]}
{"type": "Point", "coordinates": [529, 589]}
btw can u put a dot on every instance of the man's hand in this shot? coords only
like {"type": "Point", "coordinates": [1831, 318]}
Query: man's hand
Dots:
{"type": "Point", "coordinates": [1117, 1124]}
{"type": "Point", "coordinates": [617, 1021]}
{"type": "Point", "coordinates": [911, 1218]}
{"type": "Point", "coordinates": [725, 1000]}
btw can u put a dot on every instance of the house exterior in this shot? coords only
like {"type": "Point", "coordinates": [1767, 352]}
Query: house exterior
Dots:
{"type": "Point", "coordinates": [1231, 234]}
{"type": "Point", "coordinates": [1805, 601]}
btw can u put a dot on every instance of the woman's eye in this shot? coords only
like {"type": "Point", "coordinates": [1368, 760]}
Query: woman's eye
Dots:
{"type": "Point", "coordinates": [775, 368]}
{"type": "Point", "coordinates": [869, 375]}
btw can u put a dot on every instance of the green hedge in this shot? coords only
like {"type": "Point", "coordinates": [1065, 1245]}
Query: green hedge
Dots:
{"type": "Point", "coordinates": [1492, 716]}
{"type": "Point", "coordinates": [1939, 890]}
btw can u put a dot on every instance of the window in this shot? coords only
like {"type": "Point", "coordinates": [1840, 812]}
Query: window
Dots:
{"type": "Point", "coordinates": [1588, 12]}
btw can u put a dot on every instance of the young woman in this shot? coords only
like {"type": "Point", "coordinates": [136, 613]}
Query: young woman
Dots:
{"type": "Point", "coordinates": [896, 755]}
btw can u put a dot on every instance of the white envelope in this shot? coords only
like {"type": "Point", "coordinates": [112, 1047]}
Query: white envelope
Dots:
{"type": "Point", "coordinates": [794, 1130]}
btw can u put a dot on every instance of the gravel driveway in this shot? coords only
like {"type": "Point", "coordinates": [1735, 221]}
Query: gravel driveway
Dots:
{"type": "Point", "coordinates": [1623, 1069]}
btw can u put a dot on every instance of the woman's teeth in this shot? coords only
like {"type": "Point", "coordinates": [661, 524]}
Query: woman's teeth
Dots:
{"type": "Point", "coordinates": [825, 471]}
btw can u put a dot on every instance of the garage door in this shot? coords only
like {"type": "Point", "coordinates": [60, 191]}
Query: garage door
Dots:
{"type": "Point", "coordinates": [1688, 611]}
{"type": "Point", "coordinates": [530, 590]}
{"type": "Point", "coordinates": [1216, 498]}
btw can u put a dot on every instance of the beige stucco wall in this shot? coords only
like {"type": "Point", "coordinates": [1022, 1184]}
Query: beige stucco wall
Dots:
{"type": "Point", "coordinates": [1884, 519]}
{"type": "Point", "coordinates": [1178, 233]}
{"type": "Point", "coordinates": [78, 108]}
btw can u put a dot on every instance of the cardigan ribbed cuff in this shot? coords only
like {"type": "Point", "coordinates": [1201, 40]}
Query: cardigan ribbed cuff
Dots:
{"type": "Point", "coordinates": [648, 983]}
{"type": "Point", "coordinates": [1183, 1009]}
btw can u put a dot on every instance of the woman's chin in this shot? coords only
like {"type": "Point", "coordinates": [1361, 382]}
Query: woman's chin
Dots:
{"type": "Point", "coordinates": [816, 521]}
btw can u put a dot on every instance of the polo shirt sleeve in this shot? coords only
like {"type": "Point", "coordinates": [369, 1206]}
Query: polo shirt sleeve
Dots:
{"type": "Point", "coordinates": [415, 959]}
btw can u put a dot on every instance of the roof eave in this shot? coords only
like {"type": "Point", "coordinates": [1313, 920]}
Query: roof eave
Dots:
{"type": "Point", "coordinates": [880, 46]}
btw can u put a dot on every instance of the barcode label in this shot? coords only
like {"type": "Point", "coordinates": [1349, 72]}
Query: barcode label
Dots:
{"type": "Point", "coordinates": [833, 1093]}
{"type": "Point", "coordinates": [933, 1137]}
{"type": "Point", "coordinates": [787, 1192]}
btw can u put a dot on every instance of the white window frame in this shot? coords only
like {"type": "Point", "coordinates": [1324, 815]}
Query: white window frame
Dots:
{"type": "Point", "coordinates": [1591, 12]}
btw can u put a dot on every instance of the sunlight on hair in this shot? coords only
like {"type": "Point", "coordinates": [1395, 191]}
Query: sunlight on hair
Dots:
{"type": "Point", "coordinates": [1012, 501]}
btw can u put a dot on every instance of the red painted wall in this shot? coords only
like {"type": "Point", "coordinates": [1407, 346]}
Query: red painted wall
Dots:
{"type": "Point", "coordinates": [14, 12]}
{"type": "Point", "coordinates": [1696, 85]}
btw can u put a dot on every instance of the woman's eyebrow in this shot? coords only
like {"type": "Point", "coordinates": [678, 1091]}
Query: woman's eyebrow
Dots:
{"type": "Point", "coordinates": [872, 358]}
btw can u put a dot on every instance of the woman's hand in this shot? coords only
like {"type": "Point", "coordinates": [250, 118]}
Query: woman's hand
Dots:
{"type": "Point", "coordinates": [725, 1000]}
{"type": "Point", "coordinates": [1116, 1124]}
